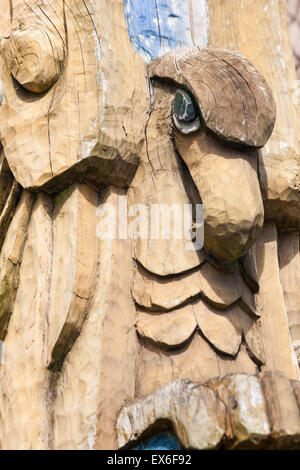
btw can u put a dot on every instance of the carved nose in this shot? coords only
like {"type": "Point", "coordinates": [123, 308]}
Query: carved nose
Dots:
{"type": "Point", "coordinates": [227, 182]}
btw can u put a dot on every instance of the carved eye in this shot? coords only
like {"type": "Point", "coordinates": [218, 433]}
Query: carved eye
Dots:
{"type": "Point", "coordinates": [185, 114]}
{"type": "Point", "coordinates": [36, 62]}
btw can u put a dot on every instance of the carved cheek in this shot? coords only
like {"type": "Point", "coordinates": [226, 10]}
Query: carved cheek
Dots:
{"type": "Point", "coordinates": [228, 185]}
{"type": "Point", "coordinates": [36, 58]}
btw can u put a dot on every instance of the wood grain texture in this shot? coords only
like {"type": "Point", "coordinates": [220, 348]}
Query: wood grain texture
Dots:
{"type": "Point", "coordinates": [94, 328]}
{"type": "Point", "coordinates": [256, 412]}
{"type": "Point", "coordinates": [235, 101]}
{"type": "Point", "coordinates": [64, 137]}
{"type": "Point", "coordinates": [167, 331]}
{"type": "Point", "coordinates": [282, 407]}
{"type": "Point", "coordinates": [36, 49]}
{"type": "Point", "coordinates": [98, 374]}
{"type": "Point", "coordinates": [118, 341]}
{"type": "Point", "coordinates": [157, 26]}
{"type": "Point", "coordinates": [272, 308]}
{"type": "Point", "coordinates": [75, 253]}
{"type": "Point", "coordinates": [232, 23]}
{"type": "Point", "coordinates": [215, 287]}
{"type": "Point", "coordinates": [222, 329]}
{"type": "Point", "coordinates": [233, 218]}
{"type": "Point", "coordinates": [10, 192]}
{"type": "Point", "coordinates": [159, 181]}
{"type": "Point", "coordinates": [197, 361]}
{"type": "Point", "coordinates": [289, 262]}
{"type": "Point", "coordinates": [293, 9]}
{"type": "Point", "coordinates": [24, 378]}
{"type": "Point", "coordinates": [11, 259]}
{"type": "Point", "coordinates": [182, 403]}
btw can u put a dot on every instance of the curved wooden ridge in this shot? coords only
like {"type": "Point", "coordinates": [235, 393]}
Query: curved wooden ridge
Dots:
{"type": "Point", "coordinates": [238, 411]}
{"type": "Point", "coordinates": [235, 100]}
{"type": "Point", "coordinates": [219, 305]}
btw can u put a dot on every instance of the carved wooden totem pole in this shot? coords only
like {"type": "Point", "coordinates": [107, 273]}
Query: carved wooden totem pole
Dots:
{"type": "Point", "coordinates": [112, 342]}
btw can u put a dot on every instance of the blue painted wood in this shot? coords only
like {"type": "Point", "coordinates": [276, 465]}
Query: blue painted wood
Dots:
{"type": "Point", "coordinates": [158, 26]}
{"type": "Point", "coordinates": [162, 441]}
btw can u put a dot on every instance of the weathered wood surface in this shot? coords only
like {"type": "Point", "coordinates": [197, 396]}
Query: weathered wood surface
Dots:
{"type": "Point", "coordinates": [24, 377]}
{"type": "Point", "coordinates": [235, 101]}
{"type": "Point", "coordinates": [158, 181]}
{"type": "Point", "coordinates": [219, 289]}
{"type": "Point", "coordinates": [289, 262]}
{"type": "Point", "coordinates": [93, 328]}
{"type": "Point", "coordinates": [272, 307]}
{"type": "Point", "coordinates": [98, 376]}
{"type": "Point", "coordinates": [65, 137]}
{"type": "Point", "coordinates": [231, 25]}
{"type": "Point", "coordinates": [235, 412]}
{"type": "Point", "coordinates": [293, 8]}
{"type": "Point", "coordinates": [75, 262]}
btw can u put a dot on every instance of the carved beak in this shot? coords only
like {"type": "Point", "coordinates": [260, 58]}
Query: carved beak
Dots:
{"type": "Point", "coordinates": [227, 182]}
{"type": "Point", "coordinates": [237, 114]}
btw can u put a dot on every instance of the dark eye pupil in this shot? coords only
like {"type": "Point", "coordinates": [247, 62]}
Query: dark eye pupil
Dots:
{"type": "Point", "coordinates": [184, 107]}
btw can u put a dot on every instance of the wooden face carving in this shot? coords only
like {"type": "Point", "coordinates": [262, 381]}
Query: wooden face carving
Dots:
{"type": "Point", "coordinates": [196, 309]}
{"type": "Point", "coordinates": [92, 326]}
{"type": "Point", "coordinates": [63, 118]}
{"type": "Point", "coordinates": [223, 111]}
{"type": "Point", "coordinates": [212, 112]}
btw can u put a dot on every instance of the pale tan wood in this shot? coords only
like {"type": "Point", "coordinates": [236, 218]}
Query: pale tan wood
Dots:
{"type": "Point", "coordinates": [24, 378]}
{"type": "Point", "coordinates": [271, 306]}
{"type": "Point", "coordinates": [231, 25]}
{"type": "Point", "coordinates": [218, 288]}
{"type": "Point", "coordinates": [242, 363]}
{"type": "Point", "coordinates": [181, 403]}
{"type": "Point", "coordinates": [88, 119]}
{"type": "Point", "coordinates": [11, 259]}
{"type": "Point", "coordinates": [6, 182]}
{"type": "Point", "coordinates": [282, 405]}
{"type": "Point", "coordinates": [235, 100]}
{"type": "Point", "coordinates": [167, 330]}
{"type": "Point", "coordinates": [118, 340]}
{"type": "Point", "coordinates": [293, 9]}
{"type": "Point", "coordinates": [222, 329]}
{"type": "Point", "coordinates": [159, 180]}
{"type": "Point", "coordinates": [261, 412]}
{"type": "Point", "coordinates": [252, 333]}
{"type": "Point", "coordinates": [75, 250]}
{"type": "Point", "coordinates": [197, 361]}
{"type": "Point", "coordinates": [249, 272]}
{"type": "Point", "coordinates": [289, 262]}
{"type": "Point", "coordinates": [36, 49]}
{"type": "Point", "coordinates": [233, 218]}
{"type": "Point", "coordinates": [99, 374]}
{"type": "Point", "coordinates": [63, 136]}
{"type": "Point", "coordinates": [8, 209]}
{"type": "Point", "coordinates": [246, 404]}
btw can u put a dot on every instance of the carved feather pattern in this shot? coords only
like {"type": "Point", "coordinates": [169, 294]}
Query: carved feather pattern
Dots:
{"type": "Point", "coordinates": [235, 100]}
{"type": "Point", "coordinates": [16, 208]}
{"type": "Point", "coordinates": [223, 329]}
{"type": "Point", "coordinates": [178, 293]}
